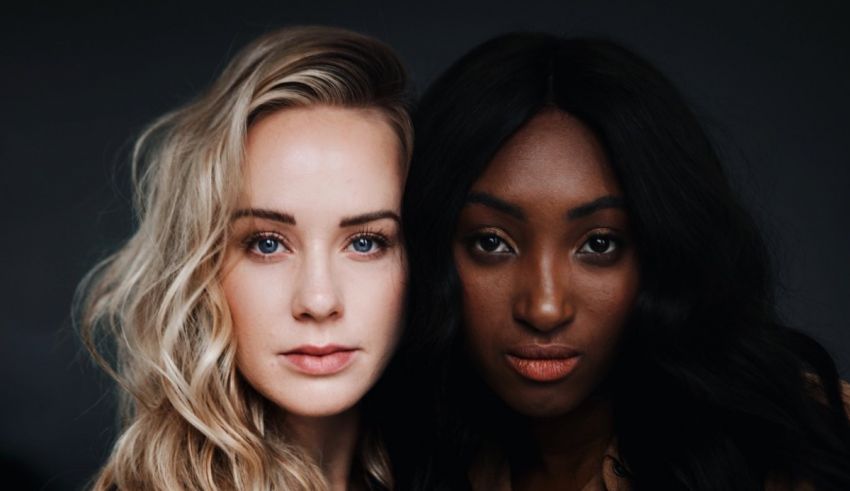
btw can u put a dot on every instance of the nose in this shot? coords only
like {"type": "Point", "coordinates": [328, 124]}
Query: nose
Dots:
{"type": "Point", "coordinates": [316, 297]}
{"type": "Point", "coordinates": [544, 302]}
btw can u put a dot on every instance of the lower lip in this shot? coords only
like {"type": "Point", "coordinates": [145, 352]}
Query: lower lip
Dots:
{"type": "Point", "coordinates": [543, 369]}
{"type": "Point", "coordinates": [328, 364]}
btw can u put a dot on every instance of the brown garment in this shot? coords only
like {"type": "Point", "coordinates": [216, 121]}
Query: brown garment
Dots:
{"type": "Point", "coordinates": [492, 473]}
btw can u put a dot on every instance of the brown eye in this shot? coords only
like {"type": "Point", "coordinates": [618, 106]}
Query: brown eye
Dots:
{"type": "Point", "coordinates": [491, 244]}
{"type": "Point", "coordinates": [600, 244]}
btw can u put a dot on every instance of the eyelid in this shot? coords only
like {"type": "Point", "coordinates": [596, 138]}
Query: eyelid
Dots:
{"type": "Point", "coordinates": [382, 240]}
{"type": "Point", "coordinates": [488, 231]}
{"type": "Point", "coordinates": [617, 245]}
{"type": "Point", "coordinates": [249, 243]}
{"type": "Point", "coordinates": [614, 241]}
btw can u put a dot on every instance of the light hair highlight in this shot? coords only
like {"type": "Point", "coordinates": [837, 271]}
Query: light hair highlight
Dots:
{"type": "Point", "coordinates": [154, 314]}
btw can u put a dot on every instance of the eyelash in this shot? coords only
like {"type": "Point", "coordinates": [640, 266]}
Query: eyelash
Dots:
{"type": "Point", "coordinates": [382, 243]}
{"type": "Point", "coordinates": [615, 246]}
{"type": "Point", "coordinates": [475, 243]}
{"type": "Point", "coordinates": [252, 242]}
{"type": "Point", "coordinates": [614, 241]}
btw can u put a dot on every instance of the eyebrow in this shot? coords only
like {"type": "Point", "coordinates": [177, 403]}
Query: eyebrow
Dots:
{"type": "Point", "coordinates": [290, 220]}
{"type": "Point", "coordinates": [602, 203]}
{"type": "Point", "coordinates": [497, 204]}
{"type": "Point", "coordinates": [369, 217]}
{"type": "Point", "coordinates": [265, 214]}
{"type": "Point", "coordinates": [517, 212]}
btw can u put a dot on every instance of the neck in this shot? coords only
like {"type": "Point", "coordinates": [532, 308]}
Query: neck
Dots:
{"type": "Point", "coordinates": [330, 440]}
{"type": "Point", "coordinates": [567, 449]}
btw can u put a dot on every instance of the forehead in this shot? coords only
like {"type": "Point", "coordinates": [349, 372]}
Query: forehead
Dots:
{"type": "Point", "coordinates": [554, 157]}
{"type": "Point", "coordinates": [300, 157]}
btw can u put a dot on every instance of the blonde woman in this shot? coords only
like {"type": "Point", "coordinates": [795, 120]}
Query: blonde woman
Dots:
{"type": "Point", "coordinates": [261, 296]}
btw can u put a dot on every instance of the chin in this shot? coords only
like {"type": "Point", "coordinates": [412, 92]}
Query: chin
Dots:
{"type": "Point", "coordinates": [318, 407]}
{"type": "Point", "coordinates": [319, 410]}
{"type": "Point", "coordinates": [540, 405]}
{"type": "Point", "coordinates": [320, 399]}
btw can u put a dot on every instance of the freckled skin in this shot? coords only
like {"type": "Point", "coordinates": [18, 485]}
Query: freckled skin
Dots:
{"type": "Point", "coordinates": [539, 280]}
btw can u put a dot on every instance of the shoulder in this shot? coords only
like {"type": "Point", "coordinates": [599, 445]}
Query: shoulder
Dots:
{"type": "Point", "coordinates": [490, 471]}
{"type": "Point", "coordinates": [816, 391]}
{"type": "Point", "coordinates": [776, 483]}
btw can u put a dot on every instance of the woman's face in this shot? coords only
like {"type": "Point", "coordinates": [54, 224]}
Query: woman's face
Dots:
{"type": "Point", "coordinates": [315, 272]}
{"type": "Point", "coordinates": [549, 275]}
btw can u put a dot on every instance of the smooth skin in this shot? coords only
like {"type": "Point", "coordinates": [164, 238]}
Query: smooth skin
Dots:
{"type": "Point", "coordinates": [543, 250]}
{"type": "Point", "coordinates": [316, 260]}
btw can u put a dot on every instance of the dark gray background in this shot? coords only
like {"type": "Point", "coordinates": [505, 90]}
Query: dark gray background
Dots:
{"type": "Point", "coordinates": [770, 81]}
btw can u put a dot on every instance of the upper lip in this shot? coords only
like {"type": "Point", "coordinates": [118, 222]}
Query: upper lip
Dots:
{"type": "Point", "coordinates": [543, 351]}
{"type": "Point", "coordinates": [313, 350]}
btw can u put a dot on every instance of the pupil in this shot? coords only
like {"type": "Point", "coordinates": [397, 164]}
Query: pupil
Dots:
{"type": "Point", "coordinates": [490, 243]}
{"type": "Point", "coordinates": [268, 246]}
{"type": "Point", "coordinates": [599, 244]}
{"type": "Point", "coordinates": [362, 244]}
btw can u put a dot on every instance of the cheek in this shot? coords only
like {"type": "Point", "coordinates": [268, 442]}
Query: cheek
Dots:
{"type": "Point", "coordinates": [608, 301]}
{"type": "Point", "coordinates": [375, 303]}
{"type": "Point", "coordinates": [486, 307]}
{"type": "Point", "coordinates": [256, 301]}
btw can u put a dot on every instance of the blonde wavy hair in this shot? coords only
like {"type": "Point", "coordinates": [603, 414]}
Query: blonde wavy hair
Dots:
{"type": "Point", "coordinates": [154, 315]}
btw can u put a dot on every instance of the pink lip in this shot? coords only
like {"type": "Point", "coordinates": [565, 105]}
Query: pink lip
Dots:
{"type": "Point", "coordinates": [320, 360]}
{"type": "Point", "coordinates": [543, 363]}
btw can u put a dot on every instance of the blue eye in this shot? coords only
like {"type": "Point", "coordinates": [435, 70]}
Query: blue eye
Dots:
{"type": "Point", "coordinates": [362, 244]}
{"type": "Point", "coordinates": [265, 245]}
{"type": "Point", "coordinates": [268, 246]}
{"type": "Point", "coordinates": [367, 244]}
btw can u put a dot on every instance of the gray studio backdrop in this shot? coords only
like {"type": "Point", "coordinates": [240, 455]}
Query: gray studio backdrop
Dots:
{"type": "Point", "coordinates": [769, 81]}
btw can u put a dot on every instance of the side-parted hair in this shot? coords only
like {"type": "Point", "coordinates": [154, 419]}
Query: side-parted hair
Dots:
{"type": "Point", "coordinates": [154, 314]}
{"type": "Point", "coordinates": [710, 391]}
